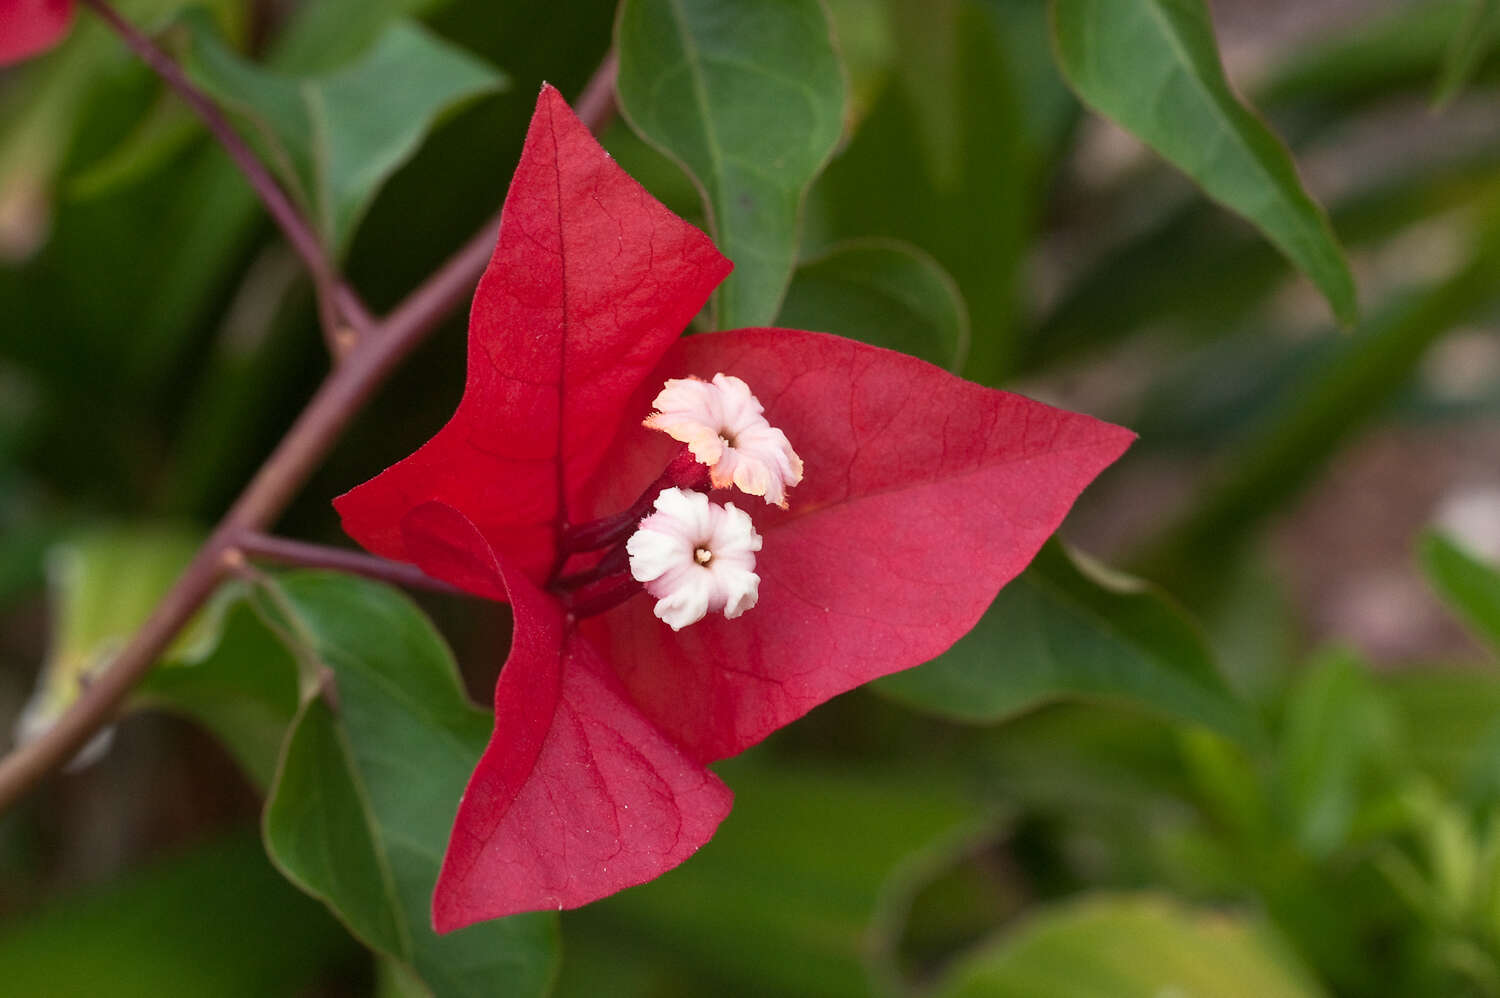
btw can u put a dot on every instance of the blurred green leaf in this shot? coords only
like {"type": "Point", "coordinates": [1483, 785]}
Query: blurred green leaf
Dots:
{"type": "Point", "coordinates": [323, 36]}
{"type": "Point", "coordinates": [866, 47]}
{"type": "Point", "coordinates": [39, 123]}
{"type": "Point", "coordinates": [967, 190]}
{"type": "Point", "coordinates": [233, 676]}
{"type": "Point", "coordinates": [103, 583]}
{"type": "Point", "coordinates": [362, 803]}
{"type": "Point", "coordinates": [1393, 48]}
{"type": "Point", "coordinates": [165, 130]}
{"type": "Point", "coordinates": [1153, 67]}
{"type": "Point", "coordinates": [336, 138]}
{"type": "Point", "coordinates": [1317, 414]}
{"type": "Point", "coordinates": [1066, 629]}
{"type": "Point", "coordinates": [217, 922]}
{"type": "Point", "coordinates": [782, 899]}
{"type": "Point", "coordinates": [883, 292]}
{"type": "Point", "coordinates": [749, 97]}
{"type": "Point", "coordinates": [1339, 748]}
{"type": "Point", "coordinates": [1452, 720]}
{"type": "Point", "coordinates": [1467, 48]}
{"type": "Point", "coordinates": [1131, 946]}
{"type": "Point", "coordinates": [1468, 585]}
{"type": "Point", "coordinates": [1191, 272]}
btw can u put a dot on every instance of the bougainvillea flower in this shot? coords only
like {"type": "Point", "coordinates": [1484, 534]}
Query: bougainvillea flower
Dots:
{"type": "Point", "coordinates": [920, 496]}
{"type": "Point", "coordinates": [28, 27]}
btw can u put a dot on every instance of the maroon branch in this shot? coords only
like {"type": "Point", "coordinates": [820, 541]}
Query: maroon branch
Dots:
{"type": "Point", "coordinates": [284, 551]}
{"type": "Point", "coordinates": [372, 358]}
{"type": "Point", "coordinates": [343, 314]}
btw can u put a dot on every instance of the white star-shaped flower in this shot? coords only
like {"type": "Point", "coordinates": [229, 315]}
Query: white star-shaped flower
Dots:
{"type": "Point", "coordinates": [695, 557]}
{"type": "Point", "coordinates": [722, 424]}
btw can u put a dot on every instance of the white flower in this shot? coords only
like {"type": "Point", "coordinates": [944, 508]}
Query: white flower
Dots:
{"type": "Point", "coordinates": [722, 425]}
{"type": "Point", "coordinates": [695, 556]}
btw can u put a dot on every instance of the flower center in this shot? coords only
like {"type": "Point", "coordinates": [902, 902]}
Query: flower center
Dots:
{"type": "Point", "coordinates": [724, 426]}
{"type": "Point", "coordinates": [693, 555]}
{"type": "Point", "coordinates": [696, 557]}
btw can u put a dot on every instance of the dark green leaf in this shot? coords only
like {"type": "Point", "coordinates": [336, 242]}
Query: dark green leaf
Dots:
{"type": "Point", "coordinates": [970, 191]}
{"type": "Point", "coordinates": [1153, 66]}
{"type": "Point", "coordinates": [1468, 47]}
{"type": "Point", "coordinates": [882, 292]}
{"type": "Point", "coordinates": [235, 678]}
{"type": "Point", "coordinates": [1066, 630]}
{"type": "Point", "coordinates": [163, 132]}
{"type": "Point", "coordinates": [324, 36]}
{"type": "Point", "coordinates": [364, 798]}
{"type": "Point", "coordinates": [336, 138]}
{"type": "Point", "coordinates": [749, 97]}
{"type": "Point", "coordinates": [1468, 585]}
{"type": "Point", "coordinates": [214, 923]}
{"type": "Point", "coordinates": [1131, 946]}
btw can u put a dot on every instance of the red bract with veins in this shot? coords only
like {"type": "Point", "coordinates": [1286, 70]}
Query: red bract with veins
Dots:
{"type": "Point", "coordinates": [28, 27]}
{"type": "Point", "coordinates": [911, 497]}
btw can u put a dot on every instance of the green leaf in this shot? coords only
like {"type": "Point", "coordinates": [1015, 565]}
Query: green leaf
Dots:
{"type": "Point", "coordinates": [1065, 629]}
{"type": "Point", "coordinates": [1468, 585]}
{"type": "Point", "coordinates": [749, 98]}
{"type": "Point", "coordinates": [323, 36]}
{"type": "Point", "coordinates": [1153, 67]}
{"type": "Point", "coordinates": [234, 677]}
{"type": "Point", "coordinates": [336, 138]}
{"type": "Point", "coordinates": [361, 807]}
{"type": "Point", "coordinates": [883, 292]}
{"type": "Point", "coordinates": [1467, 48]}
{"type": "Point", "coordinates": [163, 132]}
{"type": "Point", "coordinates": [1338, 750]}
{"type": "Point", "coordinates": [966, 189]}
{"type": "Point", "coordinates": [104, 582]}
{"type": "Point", "coordinates": [213, 923]}
{"type": "Point", "coordinates": [1131, 946]}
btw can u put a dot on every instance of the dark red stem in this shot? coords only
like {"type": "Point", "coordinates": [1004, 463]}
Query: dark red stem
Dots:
{"type": "Point", "coordinates": [606, 594]}
{"type": "Point", "coordinates": [284, 551]}
{"type": "Point", "coordinates": [338, 305]}
{"type": "Point", "coordinates": [683, 472]}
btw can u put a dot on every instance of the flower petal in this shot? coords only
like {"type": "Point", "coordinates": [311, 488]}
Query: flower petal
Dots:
{"type": "Point", "coordinates": [577, 795]}
{"type": "Point", "coordinates": [923, 495]}
{"type": "Point", "coordinates": [28, 27]}
{"type": "Point", "coordinates": [591, 281]}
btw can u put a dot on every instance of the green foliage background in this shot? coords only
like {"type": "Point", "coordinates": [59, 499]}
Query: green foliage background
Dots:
{"type": "Point", "coordinates": [1167, 771]}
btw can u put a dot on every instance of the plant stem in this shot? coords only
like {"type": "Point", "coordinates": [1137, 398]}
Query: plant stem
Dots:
{"type": "Point", "coordinates": [340, 311]}
{"type": "Point", "coordinates": [331, 408]}
{"type": "Point", "coordinates": [284, 551]}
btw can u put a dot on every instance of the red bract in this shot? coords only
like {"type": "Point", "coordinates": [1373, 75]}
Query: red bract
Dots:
{"type": "Point", "coordinates": [31, 26]}
{"type": "Point", "coordinates": [923, 495]}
